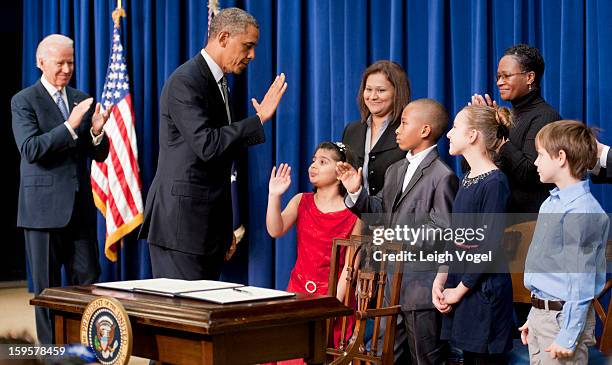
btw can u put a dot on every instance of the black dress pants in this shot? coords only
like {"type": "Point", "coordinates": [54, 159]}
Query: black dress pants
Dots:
{"type": "Point", "coordinates": [47, 252]}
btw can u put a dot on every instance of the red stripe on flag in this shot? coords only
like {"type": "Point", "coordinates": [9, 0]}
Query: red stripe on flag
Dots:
{"type": "Point", "coordinates": [98, 190]}
{"type": "Point", "coordinates": [94, 184]}
{"type": "Point", "coordinates": [126, 139]}
{"type": "Point", "coordinates": [127, 194]}
{"type": "Point", "coordinates": [102, 166]}
{"type": "Point", "coordinates": [114, 211]}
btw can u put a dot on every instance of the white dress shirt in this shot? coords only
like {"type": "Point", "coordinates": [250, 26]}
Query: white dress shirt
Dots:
{"type": "Point", "coordinates": [603, 159]}
{"type": "Point", "coordinates": [415, 161]}
{"type": "Point", "coordinates": [215, 69]}
{"type": "Point", "coordinates": [369, 144]}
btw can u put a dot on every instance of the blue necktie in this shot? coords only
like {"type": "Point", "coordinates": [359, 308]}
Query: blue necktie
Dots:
{"type": "Point", "coordinates": [61, 105]}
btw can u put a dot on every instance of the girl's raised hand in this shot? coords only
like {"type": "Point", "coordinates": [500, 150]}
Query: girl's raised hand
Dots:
{"type": "Point", "coordinates": [279, 179]}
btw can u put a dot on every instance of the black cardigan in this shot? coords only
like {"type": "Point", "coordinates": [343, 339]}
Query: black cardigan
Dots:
{"type": "Point", "coordinates": [385, 151]}
{"type": "Point", "coordinates": [531, 113]}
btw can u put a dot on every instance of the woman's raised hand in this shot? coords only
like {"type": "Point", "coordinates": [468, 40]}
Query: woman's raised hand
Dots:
{"type": "Point", "coordinates": [478, 99]}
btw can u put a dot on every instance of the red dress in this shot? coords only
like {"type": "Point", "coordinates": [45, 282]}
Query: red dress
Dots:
{"type": "Point", "coordinates": [315, 233]}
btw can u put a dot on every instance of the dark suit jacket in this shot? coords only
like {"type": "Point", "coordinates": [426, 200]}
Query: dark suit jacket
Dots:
{"type": "Point", "coordinates": [53, 165]}
{"type": "Point", "coordinates": [384, 153]}
{"type": "Point", "coordinates": [426, 202]}
{"type": "Point", "coordinates": [605, 175]}
{"type": "Point", "coordinates": [188, 206]}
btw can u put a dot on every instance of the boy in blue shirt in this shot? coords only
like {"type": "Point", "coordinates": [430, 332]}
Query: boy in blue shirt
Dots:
{"type": "Point", "coordinates": [565, 266]}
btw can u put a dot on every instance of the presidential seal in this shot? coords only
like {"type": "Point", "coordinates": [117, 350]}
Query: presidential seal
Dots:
{"type": "Point", "coordinates": [106, 329]}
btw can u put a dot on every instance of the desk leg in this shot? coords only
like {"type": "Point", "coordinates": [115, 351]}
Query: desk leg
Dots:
{"type": "Point", "coordinates": [59, 329]}
{"type": "Point", "coordinates": [209, 355]}
{"type": "Point", "coordinates": [318, 343]}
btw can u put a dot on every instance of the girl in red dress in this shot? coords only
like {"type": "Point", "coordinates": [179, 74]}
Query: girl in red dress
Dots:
{"type": "Point", "coordinates": [319, 217]}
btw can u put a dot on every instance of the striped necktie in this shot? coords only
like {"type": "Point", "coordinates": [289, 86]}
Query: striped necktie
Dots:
{"type": "Point", "coordinates": [61, 105]}
{"type": "Point", "coordinates": [225, 91]}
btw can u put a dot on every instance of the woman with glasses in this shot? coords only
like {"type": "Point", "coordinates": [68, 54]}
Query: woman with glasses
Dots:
{"type": "Point", "coordinates": [383, 94]}
{"type": "Point", "coordinates": [519, 74]}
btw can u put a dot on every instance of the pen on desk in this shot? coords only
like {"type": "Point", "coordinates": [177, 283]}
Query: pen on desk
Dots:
{"type": "Point", "coordinates": [243, 291]}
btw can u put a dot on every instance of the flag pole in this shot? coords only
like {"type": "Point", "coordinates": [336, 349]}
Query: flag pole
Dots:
{"type": "Point", "coordinates": [118, 13]}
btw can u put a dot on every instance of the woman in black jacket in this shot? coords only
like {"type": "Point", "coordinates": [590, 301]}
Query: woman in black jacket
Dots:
{"type": "Point", "coordinates": [519, 74]}
{"type": "Point", "coordinates": [383, 94]}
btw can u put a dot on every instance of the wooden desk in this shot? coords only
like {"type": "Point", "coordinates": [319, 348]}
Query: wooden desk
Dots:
{"type": "Point", "coordinates": [186, 331]}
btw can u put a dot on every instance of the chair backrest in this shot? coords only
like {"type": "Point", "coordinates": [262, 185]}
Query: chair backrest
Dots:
{"type": "Point", "coordinates": [340, 247]}
{"type": "Point", "coordinates": [369, 285]}
{"type": "Point", "coordinates": [517, 239]}
{"type": "Point", "coordinates": [604, 341]}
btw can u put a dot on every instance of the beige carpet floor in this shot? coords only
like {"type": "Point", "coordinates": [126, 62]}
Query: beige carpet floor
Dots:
{"type": "Point", "coordinates": [17, 315]}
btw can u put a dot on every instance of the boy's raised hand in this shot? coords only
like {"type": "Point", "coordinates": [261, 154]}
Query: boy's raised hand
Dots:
{"type": "Point", "coordinates": [350, 178]}
{"type": "Point", "coordinates": [279, 179]}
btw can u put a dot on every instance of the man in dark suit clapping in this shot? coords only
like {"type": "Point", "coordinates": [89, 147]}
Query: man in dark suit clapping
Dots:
{"type": "Point", "coordinates": [188, 213]}
{"type": "Point", "coordinates": [57, 131]}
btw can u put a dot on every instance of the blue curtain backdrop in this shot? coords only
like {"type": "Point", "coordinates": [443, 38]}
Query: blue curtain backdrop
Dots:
{"type": "Point", "coordinates": [450, 50]}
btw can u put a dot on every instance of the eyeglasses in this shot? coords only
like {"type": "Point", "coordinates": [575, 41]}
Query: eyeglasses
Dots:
{"type": "Point", "coordinates": [506, 76]}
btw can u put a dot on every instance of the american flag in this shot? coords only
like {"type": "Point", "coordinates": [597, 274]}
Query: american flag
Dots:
{"type": "Point", "coordinates": [116, 182]}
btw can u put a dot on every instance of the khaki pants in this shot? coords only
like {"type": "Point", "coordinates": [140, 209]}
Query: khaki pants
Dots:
{"type": "Point", "coordinates": [543, 329]}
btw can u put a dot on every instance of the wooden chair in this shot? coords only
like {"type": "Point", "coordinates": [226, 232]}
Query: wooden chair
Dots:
{"type": "Point", "coordinates": [604, 341]}
{"type": "Point", "coordinates": [353, 245]}
{"type": "Point", "coordinates": [368, 284]}
{"type": "Point", "coordinates": [517, 239]}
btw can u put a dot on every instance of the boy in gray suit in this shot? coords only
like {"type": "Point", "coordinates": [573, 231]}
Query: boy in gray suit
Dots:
{"type": "Point", "coordinates": [418, 193]}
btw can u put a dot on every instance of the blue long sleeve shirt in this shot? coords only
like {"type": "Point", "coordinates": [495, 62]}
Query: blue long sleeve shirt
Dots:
{"type": "Point", "coordinates": [566, 259]}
